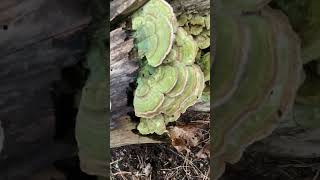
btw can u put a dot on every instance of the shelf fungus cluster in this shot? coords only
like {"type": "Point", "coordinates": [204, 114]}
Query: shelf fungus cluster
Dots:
{"type": "Point", "coordinates": [256, 74]}
{"type": "Point", "coordinates": [92, 111]}
{"type": "Point", "coordinates": [169, 81]}
{"type": "Point", "coordinates": [306, 23]}
{"type": "Point", "coordinates": [198, 25]}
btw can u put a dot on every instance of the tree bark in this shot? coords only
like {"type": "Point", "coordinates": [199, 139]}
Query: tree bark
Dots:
{"type": "Point", "coordinates": [37, 39]}
{"type": "Point", "coordinates": [298, 135]}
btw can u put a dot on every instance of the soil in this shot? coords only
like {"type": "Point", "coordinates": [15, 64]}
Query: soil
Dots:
{"type": "Point", "coordinates": [156, 161]}
{"type": "Point", "coordinates": [163, 161]}
{"type": "Point", "coordinates": [256, 165]}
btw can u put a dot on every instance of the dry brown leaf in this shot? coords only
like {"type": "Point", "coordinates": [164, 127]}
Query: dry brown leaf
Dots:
{"type": "Point", "coordinates": [185, 136]}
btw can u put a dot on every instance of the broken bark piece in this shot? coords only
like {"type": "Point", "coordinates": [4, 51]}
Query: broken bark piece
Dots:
{"type": "Point", "coordinates": [182, 6]}
{"type": "Point", "coordinates": [123, 8]}
{"type": "Point", "coordinates": [124, 136]}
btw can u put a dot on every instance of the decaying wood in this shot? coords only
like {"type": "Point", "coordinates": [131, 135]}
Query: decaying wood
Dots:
{"type": "Point", "coordinates": [37, 39]}
{"type": "Point", "coordinates": [124, 7]}
{"type": "Point", "coordinates": [197, 6]}
{"type": "Point", "coordinates": [124, 135]}
{"type": "Point", "coordinates": [298, 135]}
{"type": "Point", "coordinates": [122, 71]}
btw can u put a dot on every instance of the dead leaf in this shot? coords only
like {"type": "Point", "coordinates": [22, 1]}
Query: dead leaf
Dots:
{"type": "Point", "coordinates": [185, 136]}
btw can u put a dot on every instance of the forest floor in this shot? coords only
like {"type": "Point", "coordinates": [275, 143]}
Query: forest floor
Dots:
{"type": "Point", "coordinates": [256, 165]}
{"type": "Point", "coordinates": [162, 161]}
{"type": "Point", "coordinates": [156, 161]}
{"type": "Point", "coordinates": [181, 159]}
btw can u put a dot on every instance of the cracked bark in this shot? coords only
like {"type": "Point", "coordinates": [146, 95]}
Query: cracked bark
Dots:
{"type": "Point", "coordinates": [37, 39]}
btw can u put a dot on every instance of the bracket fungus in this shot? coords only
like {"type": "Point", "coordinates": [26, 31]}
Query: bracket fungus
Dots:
{"type": "Point", "coordinates": [161, 98]}
{"type": "Point", "coordinates": [205, 65]}
{"type": "Point", "coordinates": [184, 49]}
{"type": "Point", "coordinates": [92, 113]}
{"type": "Point", "coordinates": [306, 23]}
{"type": "Point", "coordinates": [154, 26]}
{"type": "Point", "coordinates": [256, 75]}
{"type": "Point", "coordinates": [170, 81]}
{"type": "Point", "coordinates": [198, 26]}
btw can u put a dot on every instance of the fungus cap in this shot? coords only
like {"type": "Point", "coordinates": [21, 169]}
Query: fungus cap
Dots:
{"type": "Point", "coordinates": [154, 27]}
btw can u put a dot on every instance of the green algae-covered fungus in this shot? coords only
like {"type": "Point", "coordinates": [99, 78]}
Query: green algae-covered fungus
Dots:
{"type": "Point", "coordinates": [168, 100]}
{"type": "Point", "coordinates": [306, 23]}
{"type": "Point", "coordinates": [256, 75]}
{"type": "Point", "coordinates": [205, 65]}
{"type": "Point", "coordinates": [184, 49]}
{"type": "Point", "coordinates": [149, 94]}
{"type": "Point", "coordinates": [169, 81]}
{"type": "Point", "coordinates": [92, 110]}
{"type": "Point", "coordinates": [198, 26]}
{"type": "Point", "coordinates": [154, 26]}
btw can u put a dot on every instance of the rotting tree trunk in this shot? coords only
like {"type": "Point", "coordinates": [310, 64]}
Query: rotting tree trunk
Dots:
{"type": "Point", "coordinates": [37, 39]}
{"type": "Point", "coordinates": [297, 136]}
{"type": "Point", "coordinates": [124, 69]}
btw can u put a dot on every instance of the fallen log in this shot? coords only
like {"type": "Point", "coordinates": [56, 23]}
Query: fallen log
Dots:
{"type": "Point", "coordinates": [38, 38]}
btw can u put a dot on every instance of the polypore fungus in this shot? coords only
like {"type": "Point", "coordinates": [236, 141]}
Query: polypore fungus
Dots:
{"type": "Point", "coordinates": [205, 64]}
{"type": "Point", "coordinates": [198, 26]}
{"type": "Point", "coordinates": [169, 82]}
{"type": "Point", "coordinates": [307, 24]}
{"type": "Point", "coordinates": [184, 49]}
{"type": "Point", "coordinates": [92, 112]}
{"type": "Point", "coordinates": [251, 104]}
{"type": "Point", "coordinates": [154, 25]}
{"type": "Point", "coordinates": [162, 97]}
